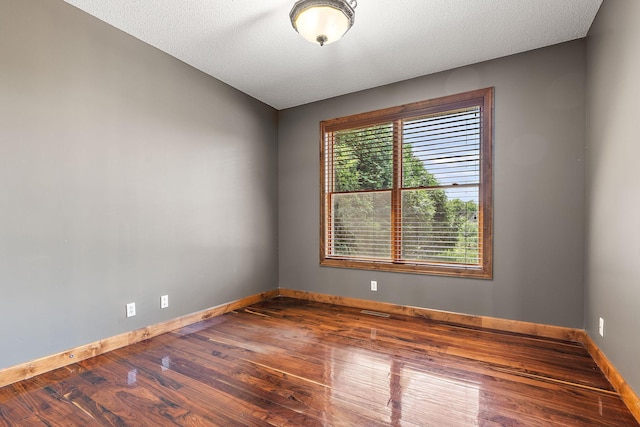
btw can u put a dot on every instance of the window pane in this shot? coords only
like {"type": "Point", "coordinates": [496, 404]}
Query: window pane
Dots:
{"type": "Point", "coordinates": [361, 225]}
{"type": "Point", "coordinates": [442, 149]}
{"type": "Point", "coordinates": [363, 159]}
{"type": "Point", "coordinates": [441, 225]}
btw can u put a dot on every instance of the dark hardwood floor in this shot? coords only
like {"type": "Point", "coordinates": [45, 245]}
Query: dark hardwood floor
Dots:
{"type": "Point", "coordinates": [287, 362]}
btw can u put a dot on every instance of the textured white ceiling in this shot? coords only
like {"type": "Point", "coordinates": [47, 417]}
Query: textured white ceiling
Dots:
{"type": "Point", "coordinates": [250, 44]}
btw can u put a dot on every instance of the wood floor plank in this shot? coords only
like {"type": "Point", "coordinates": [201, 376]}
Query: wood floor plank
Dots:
{"type": "Point", "coordinates": [288, 362]}
{"type": "Point", "coordinates": [588, 381]}
{"type": "Point", "coordinates": [547, 390]}
{"type": "Point", "coordinates": [290, 391]}
{"type": "Point", "coordinates": [490, 346]}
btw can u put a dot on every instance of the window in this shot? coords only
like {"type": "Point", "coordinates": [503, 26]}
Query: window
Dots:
{"type": "Point", "coordinates": [409, 188]}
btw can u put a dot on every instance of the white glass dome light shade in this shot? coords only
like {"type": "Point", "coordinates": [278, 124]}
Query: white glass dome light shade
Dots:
{"type": "Point", "coordinates": [322, 25]}
{"type": "Point", "coordinates": [322, 21]}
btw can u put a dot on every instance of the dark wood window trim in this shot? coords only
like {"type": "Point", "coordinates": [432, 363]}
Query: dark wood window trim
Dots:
{"type": "Point", "coordinates": [395, 117]}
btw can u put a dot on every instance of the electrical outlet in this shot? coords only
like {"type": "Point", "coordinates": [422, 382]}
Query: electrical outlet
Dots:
{"type": "Point", "coordinates": [601, 327]}
{"type": "Point", "coordinates": [164, 301]}
{"type": "Point", "coordinates": [374, 285]}
{"type": "Point", "coordinates": [131, 309]}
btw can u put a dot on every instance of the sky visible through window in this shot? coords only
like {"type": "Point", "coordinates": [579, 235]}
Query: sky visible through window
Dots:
{"type": "Point", "coordinates": [449, 147]}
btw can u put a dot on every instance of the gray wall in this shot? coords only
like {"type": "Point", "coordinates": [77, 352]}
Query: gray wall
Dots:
{"type": "Point", "coordinates": [124, 175]}
{"type": "Point", "coordinates": [613, 195]}
{"type": "Point", "coordinates": [539, 192]}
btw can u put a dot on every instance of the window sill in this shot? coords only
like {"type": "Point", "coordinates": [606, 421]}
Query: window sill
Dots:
{"type": "Point", "coordinates": [408, 267]}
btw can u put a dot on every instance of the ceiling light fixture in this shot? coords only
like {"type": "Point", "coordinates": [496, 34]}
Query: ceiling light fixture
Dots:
{"type": "Point", "coordinates": [323, 21]}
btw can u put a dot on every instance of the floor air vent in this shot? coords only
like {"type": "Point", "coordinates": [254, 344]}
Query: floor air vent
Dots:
{"type": "Point", "coordinates": [374, 313]}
